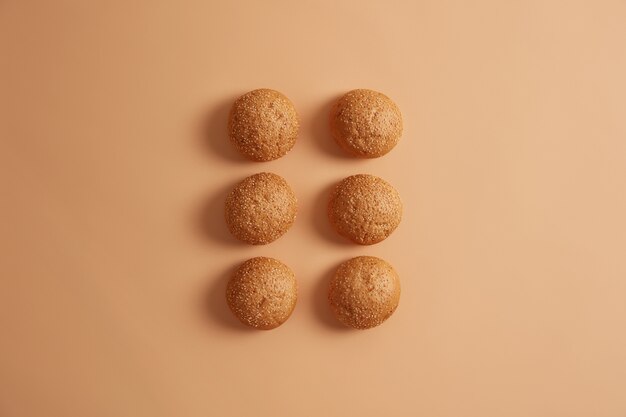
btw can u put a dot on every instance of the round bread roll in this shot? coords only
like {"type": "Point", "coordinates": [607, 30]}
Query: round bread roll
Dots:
{"type": "Point", "coordinates": [261, 208]}
{"type": "Point", "coordinates": [365, 209]}
{"type": "Point", "coordinates": [366, 123]}
{"type": "Point", "coordinates": [263, 125]}
{"type": "Point", "coordinates": [364, 292]}
{"type": "Point", "coordinates": [262, 293]}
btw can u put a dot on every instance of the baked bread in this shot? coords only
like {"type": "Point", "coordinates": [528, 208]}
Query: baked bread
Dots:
{"type": "Point", "coordinates": [262, 293]}
{"type": "Point", "coordinates": [365, 209]}
{"type": "Point", "coordinates": [261, 208]}
{"type": "Point", "coordinates": [263, 125]}
{"type": "Point", "coordinates": [364, 292]}
{"type": "Point", "coordinates": [366, 123]}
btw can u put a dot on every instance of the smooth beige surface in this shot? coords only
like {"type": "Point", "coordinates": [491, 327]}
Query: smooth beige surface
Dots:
{"type": "Point", "coordinates": [114, 164]}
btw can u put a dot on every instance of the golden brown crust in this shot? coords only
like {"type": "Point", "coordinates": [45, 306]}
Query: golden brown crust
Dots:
{"type": "Point", "coordinates": [366, 123]}
{"type": "Point", "coordinates": [262, 293]}
{"type": "Point", "coordinates": [365, 209]}
{"type": "Point", "coordinates": [261, 208]}
{"type": "Point", "coordinates": [364, 292]}
{"type": "Point", "coordinates": [263, 125]}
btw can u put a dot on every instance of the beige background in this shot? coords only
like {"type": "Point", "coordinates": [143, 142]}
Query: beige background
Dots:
{"type": "Point", "coordinates": [114, 165]}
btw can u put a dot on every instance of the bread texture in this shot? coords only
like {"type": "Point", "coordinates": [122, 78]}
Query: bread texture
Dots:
{"type": "Point", "coordinates": [262, 293]}
{"type": "Point", "coordinates": [364, 292]}
{"type": "Point", "coordinates": [366, 123]}
{"type": "Point", "coordinates": [263, 125]}
{"type": "Point", "coordinates": [261, 208]}
{"type": "Point", "coordinates": [365, 209]}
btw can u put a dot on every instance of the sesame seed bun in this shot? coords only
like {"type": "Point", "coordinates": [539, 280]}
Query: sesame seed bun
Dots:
{"type": "Point", "coordinates": [261, 208]}
{"type": "Point", "coordinates": [262, 293]}
{"type": "Point", "coordinates": [366, 123]}
{"type": "Point", "coordinates": [263, 125]}
{"type": "Point", "coordinates": [365, 209]}
{"type": "Point", "coordinates": [364, 292]}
